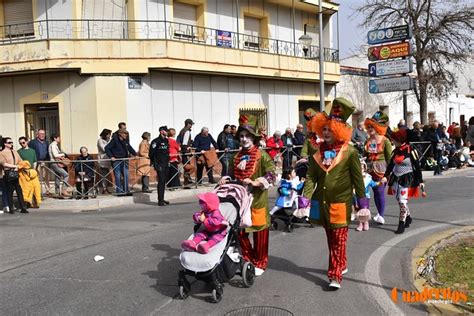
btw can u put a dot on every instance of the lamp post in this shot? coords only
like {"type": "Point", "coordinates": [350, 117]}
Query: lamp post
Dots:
{"type": "Point", "coordinates": [321, 58]}
{"type": "Point", "coordinates": [305, 41]}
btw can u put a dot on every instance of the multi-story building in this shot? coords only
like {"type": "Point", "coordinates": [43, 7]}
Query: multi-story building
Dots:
{"type": "Point", "coordinates": [78, 66]}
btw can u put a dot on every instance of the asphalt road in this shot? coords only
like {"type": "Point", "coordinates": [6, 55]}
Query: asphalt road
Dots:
{"type": "Point", "coordinates": [47, 262]}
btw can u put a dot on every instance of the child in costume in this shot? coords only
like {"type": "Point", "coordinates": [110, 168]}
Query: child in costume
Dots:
{"type": "Point", "coordinates": [404, 175]}
{"type": "Point", "coordinates": [213, 221]}
{"type": "Point", "coordinates": [363, 214]}
{"type": "Point", "coordinates": [378, 151]}
{"type": "Point", "coordinates": [289, 185]}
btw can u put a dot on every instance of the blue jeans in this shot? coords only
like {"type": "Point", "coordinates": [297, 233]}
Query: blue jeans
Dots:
{"type": "Point", "coordinates": [4, 195]}
{"type": "Point", "coordinates": [120, 170]}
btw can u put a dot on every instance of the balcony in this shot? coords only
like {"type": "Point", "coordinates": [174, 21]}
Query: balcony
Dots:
{"type": "Point", "coordinates": [95, 46]}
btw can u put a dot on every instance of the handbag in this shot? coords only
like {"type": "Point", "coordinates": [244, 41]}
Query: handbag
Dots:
{"type": "Point", "coordinates": [12, 174]}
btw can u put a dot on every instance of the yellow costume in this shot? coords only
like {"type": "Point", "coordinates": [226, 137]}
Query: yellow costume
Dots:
{"type": "Point", "coordinates": [29, 183]}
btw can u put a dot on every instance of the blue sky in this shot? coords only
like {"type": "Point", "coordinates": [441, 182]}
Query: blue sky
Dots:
{"type": "Point", "coordinates": [351, 35]}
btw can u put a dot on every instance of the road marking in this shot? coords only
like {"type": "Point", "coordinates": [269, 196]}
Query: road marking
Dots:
{"type": "Point", "coordinates": [373, 284]}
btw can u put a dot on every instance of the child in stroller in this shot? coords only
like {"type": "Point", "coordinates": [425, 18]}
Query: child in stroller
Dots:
{"type": "Point", "coordinates": [290, 207]}
{"type": "Point", "coordinates": [223, 260]}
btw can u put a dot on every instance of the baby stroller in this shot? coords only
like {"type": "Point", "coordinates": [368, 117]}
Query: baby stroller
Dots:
{"type": "Point", "coordinates": [224, 260]}
{"type": "Point", "coordinates": [286, 217]}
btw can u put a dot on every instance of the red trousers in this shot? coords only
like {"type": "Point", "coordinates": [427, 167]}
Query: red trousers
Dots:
{"type": "Point", "coordinates": [258, 254]}
{"type": "Point", "coordinates": [337, 239]}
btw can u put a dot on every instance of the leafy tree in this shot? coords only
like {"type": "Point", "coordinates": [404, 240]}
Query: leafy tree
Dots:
{"type": "Point", "coordinates": [442, 38]}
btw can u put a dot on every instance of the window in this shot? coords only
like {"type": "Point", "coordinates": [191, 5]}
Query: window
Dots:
{"type": "Point", "coordinates": [185, 15]}
{"type": "Point", "coordinates": [114, 14]}
{"type": "Point", "coordinates": [260, 113]}
{"type": "Point", "coordinates": [19, 15]}
{"type": "Point", "coordinates": [252, 32]}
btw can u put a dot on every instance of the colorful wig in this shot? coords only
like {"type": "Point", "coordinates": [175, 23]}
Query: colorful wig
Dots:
{"type": "Point", "coordinates": [341, 130]}
{"type": "Point", "coordinates": [379, 128]}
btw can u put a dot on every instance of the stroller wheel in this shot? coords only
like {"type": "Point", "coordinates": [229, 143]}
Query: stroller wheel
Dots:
{"type": "Point", "coordinates": [248, 274]}
{"type": "Point", "coordinates": [290, 227]}
{"type": "Point", "coordinates": [217, 294]}
{"type": "Point", "coordinates": [277, 224]}
{"type": "Point", "coordinates": [183, 293]}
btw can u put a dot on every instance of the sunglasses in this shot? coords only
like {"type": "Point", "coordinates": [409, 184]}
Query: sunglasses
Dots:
{"type": "Point", "coordinates": [10, 143]}
{"type": "Point", "coordinates": [22, 143]}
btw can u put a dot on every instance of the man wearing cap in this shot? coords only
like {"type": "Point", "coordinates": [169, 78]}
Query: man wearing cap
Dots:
{"type": "Point", "coordinates": [310, 144]}
{"type": "Point", "coordinates": [185, 140]}
{"type": "Point", "coordinates": [334, 173]}
{"type": "Point", "coordinates": [160, 158]}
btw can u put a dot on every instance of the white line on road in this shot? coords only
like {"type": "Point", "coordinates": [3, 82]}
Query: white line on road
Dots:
{"type": "Point", "coordinates": [374, 287]}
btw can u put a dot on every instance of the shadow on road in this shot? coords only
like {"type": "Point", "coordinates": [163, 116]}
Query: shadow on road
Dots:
{"type": "Point", "coordinates": [166, 274]}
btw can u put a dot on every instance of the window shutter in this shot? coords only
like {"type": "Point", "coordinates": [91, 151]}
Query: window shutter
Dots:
{"type": "Point", "coordinates": [252, 26]}
{"type": "Point", "coordinates": [18, 11]}
{"type": "Point", "coordinates": [105, 10]}
{"type": "Point", "coordinates": [184, 13]}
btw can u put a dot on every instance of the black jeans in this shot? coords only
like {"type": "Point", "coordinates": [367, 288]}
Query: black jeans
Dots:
{"type": "Point", "coordinates": [10, 186]}
{"type": "Point", "coordinates": [162, 172]}
{"type": "Point", "coordinates": [200, 169]}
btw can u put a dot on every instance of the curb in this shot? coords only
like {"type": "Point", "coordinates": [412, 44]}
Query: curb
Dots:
{"type": "Point", "coordinates": [419, 283]}
{"type": "Point", "coordinates": [77, 206]}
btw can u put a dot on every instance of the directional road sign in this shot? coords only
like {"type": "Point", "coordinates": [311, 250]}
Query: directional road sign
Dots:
{"type": "Point", "coordinates": [392, 67]}
{"type": "Point", "coordinates": [390, 84]}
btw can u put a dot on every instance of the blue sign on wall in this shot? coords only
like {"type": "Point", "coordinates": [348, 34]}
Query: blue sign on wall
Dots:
{"type": "Point", "coordinates": [224, 38]}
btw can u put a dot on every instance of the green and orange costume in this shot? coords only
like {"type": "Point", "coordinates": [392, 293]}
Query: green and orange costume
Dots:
{"type": "Point", "coordinates": [334, 172]}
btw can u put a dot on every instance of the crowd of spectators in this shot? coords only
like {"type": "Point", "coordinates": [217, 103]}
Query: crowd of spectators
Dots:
{"type": "Point", "coordinates": [187, 156]}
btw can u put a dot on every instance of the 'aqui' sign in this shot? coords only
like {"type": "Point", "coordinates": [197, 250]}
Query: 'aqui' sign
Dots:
{"type": "Point", "coordinates": [390, 84]}
{"type": "Point", "coordinates": [389, 34]}
{"type": "Point", "coordinates": [391, 67]}
{"type": "Point", "coordinates": [389, 51]}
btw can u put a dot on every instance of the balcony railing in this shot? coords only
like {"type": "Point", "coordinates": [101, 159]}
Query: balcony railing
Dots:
{"type": "Point", "coordinates": [152, 30]}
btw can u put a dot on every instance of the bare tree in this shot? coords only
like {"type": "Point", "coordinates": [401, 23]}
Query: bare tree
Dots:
{"type": "Point", "coordinates": [442, 36]}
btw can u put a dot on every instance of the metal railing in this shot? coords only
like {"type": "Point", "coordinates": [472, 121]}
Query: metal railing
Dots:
{"type": "Point", "coordinates": [155, 29]}
{"type": "Point", "coordinates": [92, 181]}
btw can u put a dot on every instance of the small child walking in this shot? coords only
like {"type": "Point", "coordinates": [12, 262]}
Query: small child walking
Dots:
{"type": "Point", "coordinates": [287, 189]}
{"type": "Point", "coordinates": [363, 214]}
{"type": "Point", "coordinates": [403, 175]}
{"type": "Point", "coordinates": [215, 225]}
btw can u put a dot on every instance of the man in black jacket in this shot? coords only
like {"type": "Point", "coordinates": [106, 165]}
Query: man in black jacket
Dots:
{"type": "Point", "coordinates": [225, 142]}
{"type": "Point", "coordinates": [436, 145]}
{"type": "Point", "coordinates": [298, 140]}
{"type": "Point", "coordinates": [160, 158]}
{"type": "Point", "coordinates": [118, 150]}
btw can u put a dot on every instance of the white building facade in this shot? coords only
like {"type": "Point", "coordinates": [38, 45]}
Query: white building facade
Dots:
{"type": "Point", "coordinates": [76, 67]}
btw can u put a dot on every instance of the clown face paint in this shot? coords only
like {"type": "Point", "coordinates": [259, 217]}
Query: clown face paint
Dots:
{"type": "Point", "coordinates": [246, 139]}
{"type": "Point", "coordinates": [328, 135]}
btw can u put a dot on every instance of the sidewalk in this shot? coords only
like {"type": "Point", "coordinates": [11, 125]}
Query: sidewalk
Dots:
{"type": "Point", "coordinates": [102, 201]}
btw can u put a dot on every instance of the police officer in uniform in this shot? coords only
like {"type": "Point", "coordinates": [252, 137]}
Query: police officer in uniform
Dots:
{"type": "Point", "coordinates": [160, 158]}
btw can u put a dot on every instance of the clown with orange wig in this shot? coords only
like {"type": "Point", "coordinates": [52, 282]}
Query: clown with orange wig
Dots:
{"type": "Point", "coordinates": [334, 171]}
{"type": "Point", "coordinates": [404, 175]}
{"type": "Point", "coordinates": [378, 151]}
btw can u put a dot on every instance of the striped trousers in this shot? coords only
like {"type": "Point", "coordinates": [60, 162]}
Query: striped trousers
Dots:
{"type": "Point", "coordinates": [337, 239]}
{"type": "Point", "coordinates": [258, 254]}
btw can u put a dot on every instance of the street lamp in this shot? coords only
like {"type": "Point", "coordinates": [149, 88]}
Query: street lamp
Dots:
{"type": "Point", "coordinates": [305, 41]}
